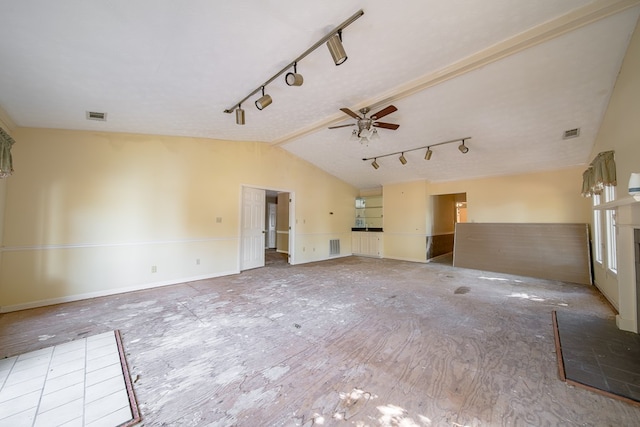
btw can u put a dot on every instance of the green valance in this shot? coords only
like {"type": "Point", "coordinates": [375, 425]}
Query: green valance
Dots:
{"type": "Point", "coordinates": [601, 173]}
{"type": "Point", "coordinates": [6, 163]}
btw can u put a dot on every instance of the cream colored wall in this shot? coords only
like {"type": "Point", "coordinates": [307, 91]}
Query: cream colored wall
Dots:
{"type": "Point", "coordinates": [620, 131]}
{"type": "Point", "coordinates": [90, 213]}
{"type": "Point", "coordinates": [405, 207]}
{"type": "Point", "coordinates": [546, 197]}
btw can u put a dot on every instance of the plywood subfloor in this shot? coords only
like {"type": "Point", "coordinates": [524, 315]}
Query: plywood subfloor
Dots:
{"type": "Point", "coordinates": [369, 341]}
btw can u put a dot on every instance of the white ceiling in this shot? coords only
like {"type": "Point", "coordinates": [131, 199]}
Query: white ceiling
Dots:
{"type": "Point", "coordinates": [510, 74]}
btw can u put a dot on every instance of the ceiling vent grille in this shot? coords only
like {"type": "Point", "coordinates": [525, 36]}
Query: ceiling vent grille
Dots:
{"type": "Point", "coordinates": [571, 133]}
{"type": "Point", "coordinates": [93, 115]}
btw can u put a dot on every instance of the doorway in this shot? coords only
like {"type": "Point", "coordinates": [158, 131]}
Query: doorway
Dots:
{"type": "Point", "coordinates": [266, 233]}
{"type": "Point", "coordinates": [446, 211]}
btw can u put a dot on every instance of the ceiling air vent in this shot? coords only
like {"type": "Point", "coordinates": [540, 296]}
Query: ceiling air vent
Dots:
{"type": "Point", "coordinates": [93, 115]}
{"type": "Point", "coordinates": [571, 133]}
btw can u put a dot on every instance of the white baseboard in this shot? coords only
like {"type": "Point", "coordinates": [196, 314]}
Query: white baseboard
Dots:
{"type": "Point", "coordinates": [422, 261]}
{"type": "Point", "coordinates": [626, 324]}
{"type": "Point", "coordinates": [323, 259]}
{"type": "Point", "coordinates": [89, 295]}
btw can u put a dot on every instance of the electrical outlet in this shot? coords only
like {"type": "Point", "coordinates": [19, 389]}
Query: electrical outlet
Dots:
{"type": "Point", "coordinates": [197, 261]}
{"type": "Point", "coordinates": [154, 269]}
{"type": "Point", "coordinates": [219, 219]}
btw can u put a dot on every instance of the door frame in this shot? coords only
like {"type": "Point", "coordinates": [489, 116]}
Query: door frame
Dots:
{"type": "Point", "coordinates": [292, 220]}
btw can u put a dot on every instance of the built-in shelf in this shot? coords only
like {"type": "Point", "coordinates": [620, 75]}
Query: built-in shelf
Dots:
{"type": "Point", "coordinates": [616, 203]}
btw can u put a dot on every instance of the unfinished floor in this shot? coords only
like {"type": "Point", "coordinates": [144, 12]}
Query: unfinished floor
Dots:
{"type": "Point", "coordinates": [353, 341]}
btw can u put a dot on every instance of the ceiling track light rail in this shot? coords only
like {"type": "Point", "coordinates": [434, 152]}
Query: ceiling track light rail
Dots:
{"type": "Point", "coordinates": [334, 44]}
{"type": "Point", "coordinates": [427, 156]}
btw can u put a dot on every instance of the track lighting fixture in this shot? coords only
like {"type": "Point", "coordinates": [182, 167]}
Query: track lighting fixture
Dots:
{"type": "Point", "coordinates": [294, 79]}
{"type": "Point", "coordinates": [427, 156]}
{"type": "Point", "coordinates": [263, 101]}
{"type": "Point", "coordinates": [333, 39]}
{"type": "Point", "coordinates": [335, 47]}
{"type": "Point", "coordinates": [463, 148]}
{"type": "Point", "coordinates": [239, 115]}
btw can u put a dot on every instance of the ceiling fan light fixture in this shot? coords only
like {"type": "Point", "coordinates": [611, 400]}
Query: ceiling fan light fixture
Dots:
{"type": "Point", "coordinates": [402, 159]}
{"type": "Point", "coordinates": [374, 134]}
{"type": "Point", "coordinates": [294, 79]}
{"type": "Point", "coordinates": [264, 101]}
{"type": "Point", "coordinates": [336, 49]}
{"type": "Point", "coordinates": [375, 164]}
{"type": "Point", "coordinates": [428, 154]}
{"type": "Point", "coordinates": [463, 148]}
{"type": "Point", "coordinates": [239, 115]}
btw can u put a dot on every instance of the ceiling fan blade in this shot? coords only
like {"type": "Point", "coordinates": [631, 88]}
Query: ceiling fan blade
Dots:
{"type": "Point", "coordinates": [391, 126]}
{"type": "Point", "coordinates": [351, 113]}
{"type": "Point", "coordinates": [341, 126]}
{"type": "Point", "coordinates": [380, 114]}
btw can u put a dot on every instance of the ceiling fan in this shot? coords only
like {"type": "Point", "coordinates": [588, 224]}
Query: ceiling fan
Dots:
{"type": "Point", "coordinates": [366, 125]}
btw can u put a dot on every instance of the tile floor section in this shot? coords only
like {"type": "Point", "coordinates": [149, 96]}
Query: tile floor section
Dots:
{"type": "Point", "coordinates": [597, 354]}
{"type": "Point", "coordinates": [79, 383]}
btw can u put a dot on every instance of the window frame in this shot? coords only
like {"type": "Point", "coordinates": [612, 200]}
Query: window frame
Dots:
{"type": "Point", "coordinates": [611, 231]}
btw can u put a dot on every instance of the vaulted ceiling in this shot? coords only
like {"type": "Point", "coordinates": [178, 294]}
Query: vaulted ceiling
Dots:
{"type": "Point", "coordinates": [511, 74]}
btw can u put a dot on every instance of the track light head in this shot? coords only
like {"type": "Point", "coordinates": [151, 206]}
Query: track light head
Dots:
{"type": "Point", "coordinates": [264, 101]}
{"type": "Point", "coordinates": [463, 148]}
{"type": "Point", "coordinates": [294, 79]}
{"type": "Point", "coordinates": [239, 115]}
{"type": "Point", "coordinates": [335, 48]}
{"type": "Point", "coordinates": [402, 159]}
{"type": "Point", "coordinates": [375, 164]}
{"type": "Point", "coordinates": [427, 155]}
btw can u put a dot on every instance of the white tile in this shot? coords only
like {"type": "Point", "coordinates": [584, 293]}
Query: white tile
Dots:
{"type": "Point", "coordinates": [65, 368]}
{"type": "Point", "coordinates": [67, 356]}
{"type": "Point", "coordinates": [103, 374]}
{"type": "Point", "coordinates": [105, 350]}
{"type": "Point", "coordinates": [32, 362]}
{"type": "Point", "coordinates": [22, 419]}
{"type": "Point", "coordinates": [63, 381]}
{"type": "Point", "coordinates": [12, 391]}
{"type": "Point", "coordinates": [103, 407]}
{"type": "Point", "coordinates": [36, 353]}
{"type": "Point", "coordinates": [101, 340]}
{"type": "Point", "coordinates": [102, 336]}
{"type": "Point", "coordinates": [61, 397]}
{"type": "Point", "coordinates": [70, 346]}
{"type": "Point", "coordinates": [6, 364]}
{"type": "Point", "coordinates": [113, 419]}
{"type": "Point", "coordinates": [60, 415]}
{"type": "Point", "coordinates": [103, 362]}
{"type": "Point", "coordinates": [26, 375]}
{"type": "Point", "coordinates": [66, 381]}
{"type": "Point", "coordinates": [19, 404]}
{"type": "Point", "coordinates": [77, 422]}
{"type": "Point", "coordinates": [104, 388]}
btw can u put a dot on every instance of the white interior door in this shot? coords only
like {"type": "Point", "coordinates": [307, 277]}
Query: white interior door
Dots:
{"type": "Point", "coordinates": [253, 231]}
{"type": "Point", "coordinates": [271, 226]}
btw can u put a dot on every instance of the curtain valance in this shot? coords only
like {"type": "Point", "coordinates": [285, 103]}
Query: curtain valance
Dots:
{"type": "Point", "coordinates": [601, 173]}
{"type": "Point", "coordinates": [6, 163]}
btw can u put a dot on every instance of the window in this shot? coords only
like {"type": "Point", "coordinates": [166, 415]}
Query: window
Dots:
{"type": "Point", "coordinates": [597, 230]}
{"type": "Point", "coordinates": [610, 219]}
